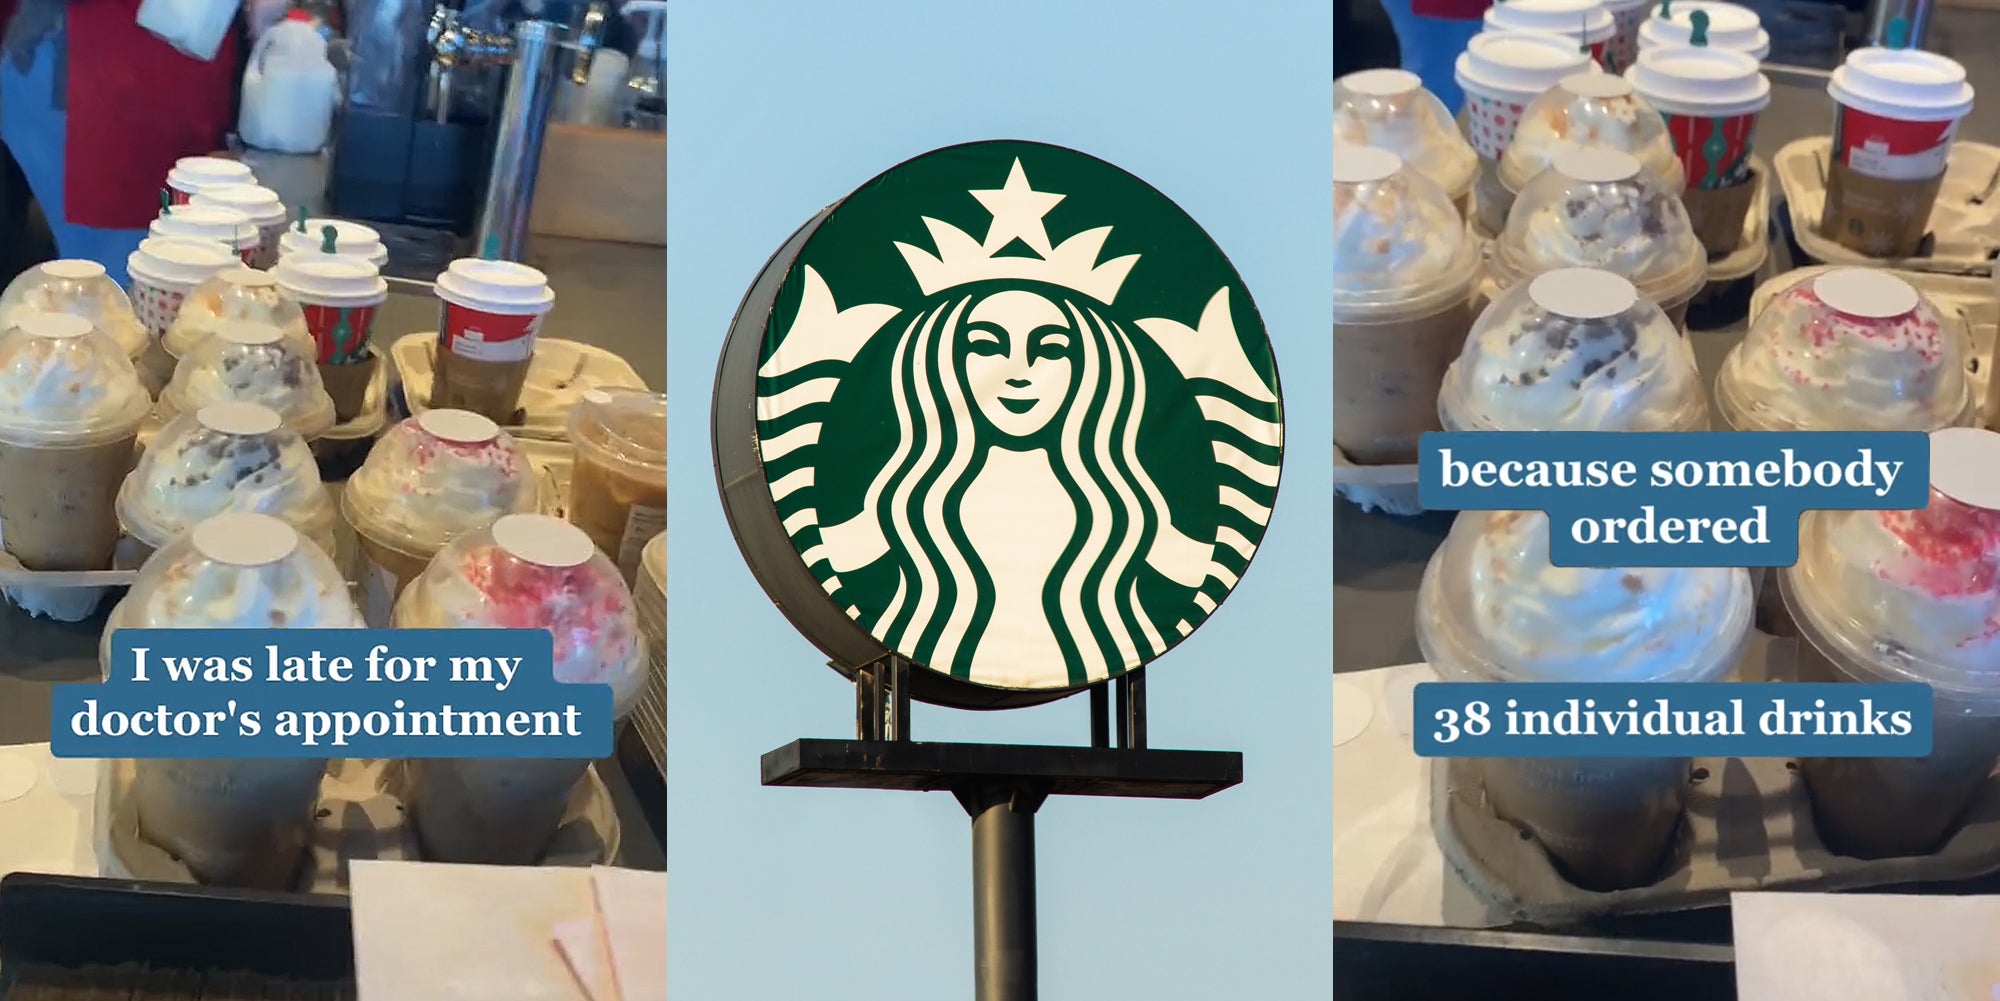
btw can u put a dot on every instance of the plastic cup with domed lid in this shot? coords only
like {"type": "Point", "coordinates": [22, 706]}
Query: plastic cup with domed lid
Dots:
{"type": "Point", "coordinates": [1730, 27]}
{"type": "Point", "coordinates": [1502, 72]}
{"type": "Point", "coordinates": [428, 480]}
{"type": "Point", "coordinates": [1574, 349]}
{"type": "Point", "coordinates": [341, 296]}
{"type": "Point", "coordinates": [192, 175]}
{"type": "Point", "coordinates": [1492, 608]}
{"type": "Point", "coordinates": [231, 822]}
{"type": "Point", "coordinates": [1587, 24]}
{"type": "Point", "coordinates": [261, 204]}
{"type": "Point", "coordinates": [1600, 208]}
{"type": "Point", "coordinates": [251, 362]}
{"type": "Point", "coordinates": [163, 272]}
{"type": "Point", "coordinates": [238, 295]}
{"type": "Point", "coordinates": [80, 288]}
{"type": "Point", "coordinates": [618, 485]}
{"type": "Point", "coordinates": [1907, 596]}
{"type": "Point", "coordinates": [1849, 349]}
{"type": "Point", "coordinates": [1589, 111]}
{"type": "Point", "coordinates": [1896, 114]}
{"type": "Point", "coordinates": [522, 571]}
{"type": "Point", "coordinates": [1390, 109]}
{"type": "Point", "coordinates": [224, 458]}
{"type": "Point", "coordinates": [351, 239]}
{"type": "Point", "coordinates": [1403, 268]}
{"type": "Point", "coordinates": [227, 226]}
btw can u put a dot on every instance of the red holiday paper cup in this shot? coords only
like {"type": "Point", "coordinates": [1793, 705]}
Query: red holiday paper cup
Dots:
{"type": "Point", "coordinates": [340, 333]}
{"type": "Point", "coordinates": [1714, 151]}
{"type": "Point", "coordinates": [483, 335]}
{"type": "Point", "coordinates": [1891, 149]}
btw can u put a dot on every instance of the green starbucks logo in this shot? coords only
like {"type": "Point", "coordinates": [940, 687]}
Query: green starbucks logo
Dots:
{"type": "Point", "coordinates": [1016, 416]}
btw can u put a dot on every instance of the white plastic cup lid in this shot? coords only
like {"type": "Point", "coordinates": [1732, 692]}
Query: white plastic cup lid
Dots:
{"type": "Point", "coordinates": [250, 332]}
{"type": "Point", "coordinates": [497, 285]}
{"type": "Point", "coordinates": [205, 222]}
{"type": "Point", "coordinates": [181, 261]}
{"type": "Point", "coordinates": [1364, 164]}
{"type": "Point", "coordinates": [1583, 293]}
{"type": "Point", "coordinates": [462, 426]}
{"type": "Point", "coordinates": [1572, 19]}
{"type": "Point", "coordinates": [238, 418]}
{"type": "Point", "coordinates": [245, 540]}
{"type": "Point", "coordinates": [1518, 65]}
{"type": "Point", "coordinates": [335, 276]}
{"type": "Point", "coordinates": [348, 237]}
{"type": "Point", "coordinates": [1730, 26]}
{"type": "Point", "coordinates": [1907, 84]}
{"type": "Point", "coordinates": [254, 199]}
{"type": "Point", "coordinates": [1382, 83]}
{"type": "Point", "coordinates": [197, 172]}
{"type": "Point", "coordinates": [73, 270]}
{"type": "Point", "coordinates": [1597, 166]}
{"type": "Point", "coordinates": [1700, 81]}
{"type": "Point", "coordinates": [542, 540]}
{"type": "Point", "coordinates": [1597, 85]}
{"type": "Point", "coordinates": [1965, 466]}
{"type": "Point", "coordinates": [54, 326]}
{"type": "Point", "coordinates": [1868, 294]}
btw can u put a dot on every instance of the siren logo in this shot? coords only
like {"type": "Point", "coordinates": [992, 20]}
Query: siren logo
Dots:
{"type": "Point", "coordinates": [1018, 416]}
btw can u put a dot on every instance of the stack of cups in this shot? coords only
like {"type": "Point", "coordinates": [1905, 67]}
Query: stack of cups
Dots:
{"type": "Point", "coordinates": [489, 315]}
{"type": "Point", "coordinates": [1907, 596]}
{"type": "Point", "coordinates": [340, 296]}
{"type": "Point", "coordinates": [1501, 73]}
{"type": "Point", "coordinates": [1710, 99]}
{"type": "Point", "coordinates": [618, 487]}
{"type": "Point", "coordinates": [163, 272]}
{"type": "Point", "coordinates": [1626, 18]}
{"type": "Point", "coordinates": [1391, 110]}
{"type": "Point", "coordinates": [1729, 27]}
{"type": "Point", "coordinates": [350, 239]}
{"type": "Point", "coordinates": [229, 227]}
{"type": "Point", "coordinates": [1896, 112]}
{"type": "Point", "coordinates": [1587, 23]}
{"type": "Point", "coordinates": [193, 175]}
{"type": "Point", "coordinates": [261, 204]}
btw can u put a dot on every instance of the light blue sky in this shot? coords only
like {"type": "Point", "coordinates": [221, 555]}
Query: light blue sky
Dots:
{"type": "Point", "coordinates": [780, 107]}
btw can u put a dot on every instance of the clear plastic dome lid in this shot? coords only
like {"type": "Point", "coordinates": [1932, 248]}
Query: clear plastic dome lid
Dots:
{"type": "Point", "coordinates": [1912, 595]}
{"type": "Point", "coordinates": [1590, 111]}
{"type": "Point", "coordinates": [1399, 245]}
{"type": "Point", "coordinates": [248, 362]}
{"type": "Point", "coordinates": [236, 296]}
{"type": "Point", "coordinates": [1493, 608]}
{"type": "Point", "coordinates": [437, 476]}
{"type": "Point", "coordinates": [64, 384]}
{"type": "Point", "coordinates": [1851, 349]}
{"type": "Point", "coordinates": [79, 288]}
{"type": "Point", "coordinates": [1390, 109]}
{"type": "Point", "coordinates": [237, 571]}
{"type": "Point", "coordinates": [227, 457]}
{"type": "Point", "coordinates": [1574, 350]}
{"type": "Point", "coordinates": [531, 571]}
{"type": "Point", "coordinates": [1597, 208]}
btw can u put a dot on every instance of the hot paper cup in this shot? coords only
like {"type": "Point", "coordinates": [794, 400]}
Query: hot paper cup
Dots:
{"type": "Point", "coordinates": [1501, 72]}
{"type": "Point", "coordinates": [351, 239]}
{"type": "Point", "coordinates": [340, 296]}
{"type": "Point", "coordinates": [163, 272]}
{"type": "Point", "coordinates": [194, 174]}
{"type": "Point", "coordinates": [227, 226]}
{"type": "Point", "coordinates": [1731, 27]}
{"type": "Point", "coordinates": [263, 207]}
{"type": "Point", "coordinates": [1896, 113]}
{"type": "Point", "coordinates": [1711, 100]}
{"type": "Point", "coordinates": [1588, 23]}
{"type": "Point", "coordinates": [489, 314]}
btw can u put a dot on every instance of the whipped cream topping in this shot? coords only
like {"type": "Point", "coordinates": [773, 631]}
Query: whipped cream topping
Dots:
{"type": "Point", "coordinates": [1411, 124]}
{"type": "Point", "coordinates": [76, 288]}
{"type": "Point", "coordinates": [192, 472]}
{"type": "Point", "coordinates": [1625, 227]}
{"type": "Point", "coordinates": [419, 490]}
{"type": "Point", "coordinates": [275, 374]}
{"type": "Point", "coordinates": [218, 302]}
{"type": "Point", "coordinates": [67, 389]}
{"type": "Point", "coordinates": [1393, 233]}
{"type": "Point", "coordinates": [1561, 122]}
{"type": "Point", "coordinates": [180, 588]}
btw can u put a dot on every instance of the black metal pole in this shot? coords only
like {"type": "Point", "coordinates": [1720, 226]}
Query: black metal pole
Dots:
{"type": "Point", "coordinates": [1003, 891]}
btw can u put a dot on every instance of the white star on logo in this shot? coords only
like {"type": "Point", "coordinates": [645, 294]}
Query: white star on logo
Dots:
{"type": "Point", "coordinates": [1017, 212]}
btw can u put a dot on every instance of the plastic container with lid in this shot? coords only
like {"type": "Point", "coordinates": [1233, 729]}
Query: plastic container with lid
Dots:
{"type": "Point", "coordinates": [235, 296]}
{"type": "Point", "coordinates": [1574, 349]}
{"type": "Point", "coordinates": [1390, 109]}
{"type": "Point", "coordinates": [226, 226]}
{"type": "Point", "coordinates": [251, 362]}
{"type": "Point", "coordinates": [1399, 246]}
{"type": "Point", "coordinates": [225, 458]}
{"type": "Point", "coordinates": [1730, 26]}
{"type": "Point", "coordinates": [618, 487]}
{"type": "Point", "coordinates": [63, 384]}
{"type": "Point", "coordinates": [1589, 111]}
{"type": "Point", "coordinates": [523, 571]}
{"type": "Point", "coordinates": [1852, 349]}
{"type": "Point", "coordinates": [1586, 23]}
{"type": "Point", "coordinates": [351, 239]}
{"type": "Point", "coordinates": [79, 288]}
{"type": "Point", "coordinates": [1907, 596]}
{"type": "Point", "coordinates": [1599, 208]}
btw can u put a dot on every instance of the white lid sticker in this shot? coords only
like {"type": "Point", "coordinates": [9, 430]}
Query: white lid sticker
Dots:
{"type": "Point", "coordinates": [1382, 83]}
{"type": "Point", "coordinates": [249, 332]}
{"type": "Point", "coordinates": [1866, 293]}
{"type": "Point", "coordinates": [1364, 164]}
{"type": "Point", "coordinates": [234, 417]}
{"type": "Point", "coordinates": [462, 426]}
{"type": "Point", "coordinates": [55, 326]}
{"type": "Point", "coordinates": [73, 270]}
{"type": "Point", "coordinates": [1597, 166]}
{"type": "Point", "coordinates": [1965, 466]}
{"type": "Point", "coordinates": [542, 540]}
{"type": "Point", "coordinates": [245, 540]}
{"type": "Point", "coordinates": [1599, 85]}
{"type": "Point", "coordinates": [1583, 293]}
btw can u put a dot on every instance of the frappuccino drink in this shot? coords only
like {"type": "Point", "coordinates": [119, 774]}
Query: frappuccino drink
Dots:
{"type": "Point", "coordinates": [251, 362]}
{"type": "Point", "coordinates": [1589, 111]}
{"type": "Point", "coordinates": [1390, 109]}
{"type": "Point", "coordinates": [225, 458]}
{"type": "Point", "coordinates": [79, 288]}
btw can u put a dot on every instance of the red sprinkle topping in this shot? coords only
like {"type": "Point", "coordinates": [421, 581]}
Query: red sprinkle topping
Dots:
{"type": "Point", "coordinates": [578, 604]}
{"type": "Point", "coordinates": [1953, 547]}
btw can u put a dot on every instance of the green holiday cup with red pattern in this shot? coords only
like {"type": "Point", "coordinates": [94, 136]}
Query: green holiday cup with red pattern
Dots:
{"type": "Point", "coordinates": [1711, 100]}
{"type": "Point", "coordinates": [1501, 72]}
{"type": "Point", "coordinates": [1896, 112]}
{"type": "Point", "coordinates": [340, 296]}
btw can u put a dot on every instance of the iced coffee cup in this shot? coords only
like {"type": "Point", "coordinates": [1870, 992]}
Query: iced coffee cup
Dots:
{"type": "Point", "coordinates": [351, 239]}
{"type": "Point", "coordinates": [70, 409]}
{"type": "Point", "coordinates": [618, 487]}
{"type": "Point", "coordinates": [533, 572]}
{"type": "Point", "coordinates": [1583, 112]}
{"type": "Point", "coordinates": [249, 362]}
{"type": "Point", "coordinates": [489, 314]}
{"type": "Point", "coordinates": [193, 175]}
{"type": "Point", "coordinates": [1597, 208]}
{"type": "Point", "coordinates": [1729, 26]}
{"type": "Point", "coordinates": [1501, 72]}
{"type": "Point", "coordinates": [1491, 608]}
{"type": "Point", "coordinates": [1390, 109]}
{"type": "Point", "coordinates": [238, 295]}
{"type": "Point", "coordinates": [1403, 271]}
{"type": "Point", "coordinates": [340, 295]}
{"type": "Point", "coordinates": [1710, 100]}
{"type": "Point", "coordinates": [79, 288]}
{"type": "Point", "coordinates": [1587, 24]}
{"type": "Point", "coordinates": [1574, 350]}
{"type": "Point", "coordinates": [226, 458]}
{"type": "Point", "coordinates": [163, 272]}
{"type": "Point", "coordinates": [226, 226]}
{"type": "Point", "coordinates": [1896, 112]}
{"type": "Point", "coordinates": [233, 822]}
{"type": "Point", "coordinates": [1907, 596]}
{"type": "Point", "coordinates": [429, 480]}
{"type": "Point", "coordinates": [263, 207]}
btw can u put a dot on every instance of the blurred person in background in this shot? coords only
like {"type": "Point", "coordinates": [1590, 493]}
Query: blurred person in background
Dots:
{"type": "Point", "coordinates": [95, 109]}
{"type": "Point", "coordinates": [1431, 34]}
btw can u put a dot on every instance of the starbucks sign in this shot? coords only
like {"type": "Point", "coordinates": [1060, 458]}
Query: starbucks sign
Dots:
{"type": "Point", "coordinates": [1006, 411]}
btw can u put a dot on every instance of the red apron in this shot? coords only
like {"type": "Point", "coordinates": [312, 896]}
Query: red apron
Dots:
{"type": "Point", "coordinates": [1451, 10]}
